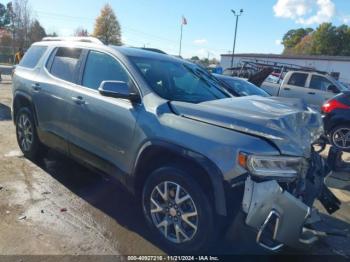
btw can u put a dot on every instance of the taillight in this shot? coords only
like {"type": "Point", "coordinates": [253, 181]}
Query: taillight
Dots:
{"type": "Point", "coordinates": [332, 105]}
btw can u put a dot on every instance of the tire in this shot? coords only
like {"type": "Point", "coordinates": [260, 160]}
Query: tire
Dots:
{"type": "Point", "coordinates": [27, 137]}
{"type": "Point", "coordinates": [201, 234]}
{"type": "Point", "coordinates": [340, 137]}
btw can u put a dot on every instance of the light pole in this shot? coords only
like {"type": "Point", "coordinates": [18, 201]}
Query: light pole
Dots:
{"type": "Point", "coordinates": [237, 15]}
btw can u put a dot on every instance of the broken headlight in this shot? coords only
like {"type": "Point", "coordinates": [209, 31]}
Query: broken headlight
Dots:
{"type": "Point", "coordinates": [273, 166]}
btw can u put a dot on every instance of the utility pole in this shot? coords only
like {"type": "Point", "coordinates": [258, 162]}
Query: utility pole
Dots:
{"type": "Point", "coordinates": [237, 15]}
{"type": "Point", "coordinates": [183, 22]}
{"type": "Point", "coordinates": [180, 40]}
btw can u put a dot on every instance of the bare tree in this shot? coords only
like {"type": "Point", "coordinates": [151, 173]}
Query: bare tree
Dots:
{"type": "Point", "coordinates": [22, 13]}
{"type": "Point", "coordinates": [36, 32]}
{"type": "Point", "coordinates": [81, 32]}
{"type": "Point", "coordinates": [19, 13]}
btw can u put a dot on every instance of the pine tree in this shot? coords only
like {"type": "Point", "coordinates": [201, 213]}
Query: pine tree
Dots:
{"type": "Point", "coordinates": [107, 27]}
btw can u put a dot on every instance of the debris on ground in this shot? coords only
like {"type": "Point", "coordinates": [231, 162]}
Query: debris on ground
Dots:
{"type": "Point", "coordinates": [63, 210]}
{"type": "Point", "coordinates": [42, 211]}
{"type": "Point", "coordinates": [22, 217]}
{"type": "Point", "coordinates": [46, 193]}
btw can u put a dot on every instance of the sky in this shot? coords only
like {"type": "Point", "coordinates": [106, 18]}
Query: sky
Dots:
{"type": "Point", "coordinates": [211, 24]}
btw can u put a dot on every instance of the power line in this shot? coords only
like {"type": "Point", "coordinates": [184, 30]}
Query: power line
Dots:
{"type": "Point", "coordinates": [89, 18]}
{"type": "Point", "coordinates": [52, 15]}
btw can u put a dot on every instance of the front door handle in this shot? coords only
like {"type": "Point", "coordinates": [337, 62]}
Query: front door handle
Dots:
{"type": "Point", "coordinates": [311, 93]}
{"type": "Point", "coordinates": [79, 100]}
{"type": "Point", "coordinates": [36, 87]}
{"type": "Point", "coordinates": [287, 88]}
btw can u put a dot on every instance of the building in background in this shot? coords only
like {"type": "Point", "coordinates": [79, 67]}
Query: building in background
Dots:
{"type": "Point", "coordinates": [337, 65]}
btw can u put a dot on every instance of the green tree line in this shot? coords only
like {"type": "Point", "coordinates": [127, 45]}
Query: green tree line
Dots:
{"type": "Point", "coordinates": [326, 39]}
{"type": "Point", "coordinates": [19, 29]}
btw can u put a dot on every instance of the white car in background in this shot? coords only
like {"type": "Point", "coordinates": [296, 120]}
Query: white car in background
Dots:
{"type": "Point", "coordinates": [314, 88]}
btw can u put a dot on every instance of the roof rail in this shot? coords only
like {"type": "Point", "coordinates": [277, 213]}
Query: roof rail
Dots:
{"type": "Point", "coordinates": [86, 39]}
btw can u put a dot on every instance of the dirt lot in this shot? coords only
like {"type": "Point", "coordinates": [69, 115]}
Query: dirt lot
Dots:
{"type": "Point", "coordinates": [57, 207]}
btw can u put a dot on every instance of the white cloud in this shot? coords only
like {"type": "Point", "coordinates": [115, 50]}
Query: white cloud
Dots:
{"type": "Point", "coordinates": [200, 41]}
{"type": "Point", "coordinates": [346, 19]}
{"type": "Point", "coordinates": [124, 39]}
{"type": "Point", "coordinates": [202, 52]}
{"type": "Point", "coordinates": [65, 32]}
{"type": "Point", "coordinates": [291, 8]}
{"type": "Point", "coordinates": [306, 12]}
{"type": "Point", "coordinates": [278, 42]}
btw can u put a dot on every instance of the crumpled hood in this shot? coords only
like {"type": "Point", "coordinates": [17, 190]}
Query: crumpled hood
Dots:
{"type": "Point", "coordinates": [288, 123]}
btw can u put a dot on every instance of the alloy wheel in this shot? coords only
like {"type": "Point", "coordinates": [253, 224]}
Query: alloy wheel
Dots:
{"type": "Point", "coordinates": [174, 212]}
{"type": "Point", "coordinates": [25, 132]}
{"type": "Point", "coordinates": [341, 138]}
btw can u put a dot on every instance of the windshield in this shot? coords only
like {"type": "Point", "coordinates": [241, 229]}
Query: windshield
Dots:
{"type": "Point", "coordinates": [178, 81]}
{"type": "Point", "coordinates": [243, 88]}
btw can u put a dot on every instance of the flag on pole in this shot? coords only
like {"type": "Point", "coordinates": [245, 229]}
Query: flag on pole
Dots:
{"type": "Point", "coordinates": [184, 21]}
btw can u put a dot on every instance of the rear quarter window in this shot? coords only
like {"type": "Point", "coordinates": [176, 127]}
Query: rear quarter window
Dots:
{"type": "Point", "coordinates": [32, 56]}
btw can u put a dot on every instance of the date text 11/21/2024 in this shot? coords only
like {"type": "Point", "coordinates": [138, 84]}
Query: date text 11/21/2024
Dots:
{"type": "Point", "coordinates": [173, 258]}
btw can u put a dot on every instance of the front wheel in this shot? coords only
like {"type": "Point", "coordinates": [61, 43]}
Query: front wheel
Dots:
{"type": "Point", "coordinates": [340, 137]}
{"type": "Point", "coordinates": [178, 210]}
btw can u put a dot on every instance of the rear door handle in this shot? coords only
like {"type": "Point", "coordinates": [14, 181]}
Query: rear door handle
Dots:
{"type": "Point", "coordinates": [79, 100]}
{"type": "Point", "coordinates": [36, 87]}
{"type": "Point", "coordinates": [287, 88]}
{"type": "Point", "coordinates": [311, 93]}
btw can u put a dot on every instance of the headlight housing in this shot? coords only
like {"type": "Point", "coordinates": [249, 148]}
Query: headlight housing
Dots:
{"type": "Point", "coordinates": [273, 166]}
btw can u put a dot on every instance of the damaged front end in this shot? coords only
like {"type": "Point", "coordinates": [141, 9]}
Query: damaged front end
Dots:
{"type": "Point", "coordinates": [281, 208]}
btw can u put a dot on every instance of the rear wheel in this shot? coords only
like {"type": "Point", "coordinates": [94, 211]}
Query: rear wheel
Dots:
{"type": "Point", "coordinates": [178, 210]}
{"type": "Point", "coordinates": [26, 134]}
{"type": "Point", "coordinates": [340, 137]}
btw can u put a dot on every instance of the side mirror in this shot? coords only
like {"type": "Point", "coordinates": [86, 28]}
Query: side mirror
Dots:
{"type": "Point", "coordinates": [118, 89]}
{"type": "Point", "coordinates": [334, 89]}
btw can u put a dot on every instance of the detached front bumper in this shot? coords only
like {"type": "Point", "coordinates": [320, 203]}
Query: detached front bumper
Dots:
{"type": "Point", "coordinates": [281, 217]}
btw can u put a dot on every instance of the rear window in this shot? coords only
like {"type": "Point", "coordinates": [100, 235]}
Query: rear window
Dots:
{"type": "Point", "coordinates": [65, 63]}
{"type": "Point", "coordinates": [32, 56]}
{"type": "Point", "coordinates": [243, 88]}
{"type": "Point", "coordinates": [298, 79]}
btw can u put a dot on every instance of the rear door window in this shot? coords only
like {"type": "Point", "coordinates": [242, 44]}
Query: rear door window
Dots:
{"type": "Point", "coordinates": [65, 63]}
{"type": "Point", "coordinates": [102, 67]}
{"type": "Point", "coordinates": [32, 56]}
{"type": "Point", "coordinates": [298, 79]}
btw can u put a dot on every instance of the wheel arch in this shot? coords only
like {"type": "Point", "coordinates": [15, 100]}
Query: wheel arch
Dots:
{"type": "Point", "coordinates": [340, 122]}
{"type": "Point", "coordinates": [22, 99]}
{"type": "Point", "coordinates": [154, 153]}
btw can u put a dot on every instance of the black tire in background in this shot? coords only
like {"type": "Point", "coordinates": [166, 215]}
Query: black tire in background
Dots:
{"type": "Point", "coordinates": [332, 137]}
{"type": "Point", "coordinates": [26, 129]}
{"type": "Point", "coordinates": [205, 234]}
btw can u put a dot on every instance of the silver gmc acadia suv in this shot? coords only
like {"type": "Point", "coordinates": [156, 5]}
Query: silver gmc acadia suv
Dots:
{"type": "Point", "coordinates": [195, 156]}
